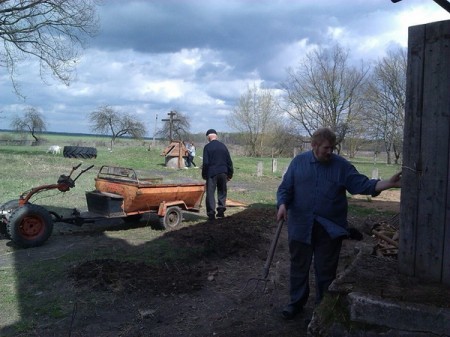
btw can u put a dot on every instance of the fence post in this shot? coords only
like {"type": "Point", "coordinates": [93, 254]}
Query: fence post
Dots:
{"type": "Point", "coordinates": [375, 173]}
{"type": "Point", "coordinates": [259, 169]}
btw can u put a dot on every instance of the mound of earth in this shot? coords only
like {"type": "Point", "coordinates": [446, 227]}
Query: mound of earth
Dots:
{"type": "Point", "coordinates": [235, 236]}
{"type": "Point", "coordinates": [206, 294]}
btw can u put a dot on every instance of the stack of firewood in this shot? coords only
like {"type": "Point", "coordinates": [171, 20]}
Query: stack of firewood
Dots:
{"type": "Point", "coordinates": [387, 235]}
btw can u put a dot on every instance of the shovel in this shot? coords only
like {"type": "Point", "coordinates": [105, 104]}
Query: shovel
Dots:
{"type": "Point", "coordinates": [263, 279]}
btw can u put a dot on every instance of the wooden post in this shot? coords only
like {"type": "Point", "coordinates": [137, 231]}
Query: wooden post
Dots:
{"type": "Point", "coordinates": [171, 119]}
{"type": "Point", "coordinates": [425, 199]}
{"type": "Point", "coordinates": [375, 173]}
{"type": "Point", "coordinates": [180, 156]}
{"type": "Point", "coordinates": [154, 131]}
{"type": "Point", "coordinates": [259, 169]}
{"type": "Point", "coordinates": [274, 165]}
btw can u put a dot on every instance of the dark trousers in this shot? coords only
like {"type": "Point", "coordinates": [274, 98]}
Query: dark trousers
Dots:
{"type": "Point", "coordinates": [218, 182]}
{"type": "Point", "coordinates": [190, 161]}
{"type": "Point", "coordinates": [326, 258]}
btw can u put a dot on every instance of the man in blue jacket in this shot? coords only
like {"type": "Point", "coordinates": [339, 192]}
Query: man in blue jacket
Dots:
{"type": "Point", "coordinates": [217, 170]}
{"type": "Point", "coordinates": [312, 199]}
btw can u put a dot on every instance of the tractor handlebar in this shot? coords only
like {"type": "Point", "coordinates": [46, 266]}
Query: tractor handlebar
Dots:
{"type": "Point", "coordinates": [64, 184]}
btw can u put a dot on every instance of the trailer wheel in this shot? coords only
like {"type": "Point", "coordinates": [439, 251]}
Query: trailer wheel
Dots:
{"type": "Point", "coordinates": [6, 210]}
{"type": "Point", "coordinates": [172, 218]}
{"type": "Point", "coordinates": [30, 226]}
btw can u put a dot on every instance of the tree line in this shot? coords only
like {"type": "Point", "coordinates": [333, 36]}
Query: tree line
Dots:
{"type": "Point", "coordinates": [360, 103]}
{"type": "Point", "coordinates": [364, 104]}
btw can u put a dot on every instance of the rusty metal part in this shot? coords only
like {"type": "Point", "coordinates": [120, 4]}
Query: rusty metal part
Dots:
{"type": "Point", "coordinates": [142, 195]}
{"type": "Point", "coordinates": [64, 184]}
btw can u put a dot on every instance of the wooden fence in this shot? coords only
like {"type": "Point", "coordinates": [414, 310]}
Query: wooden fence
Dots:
{"type": "Point", "coordinates": [425, 200]}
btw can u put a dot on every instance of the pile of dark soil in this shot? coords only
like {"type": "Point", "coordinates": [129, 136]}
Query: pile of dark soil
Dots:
{"type": "Point", "coordinates": [235, 236]}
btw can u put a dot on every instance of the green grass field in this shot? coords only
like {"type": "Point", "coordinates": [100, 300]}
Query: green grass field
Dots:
{"type": "Point", "coordinates": [24, 167]}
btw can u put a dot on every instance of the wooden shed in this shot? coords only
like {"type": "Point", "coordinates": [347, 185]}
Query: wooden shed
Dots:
{"type": "Point", "coordinates": [425, 199]}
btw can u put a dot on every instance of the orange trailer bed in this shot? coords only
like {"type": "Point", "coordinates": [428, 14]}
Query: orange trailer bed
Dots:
{"type": "Point", "coordinates": [120, 192]}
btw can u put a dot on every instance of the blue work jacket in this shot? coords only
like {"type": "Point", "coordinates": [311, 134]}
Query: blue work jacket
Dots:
{"type": "Point", "coordinates": [315, 191]}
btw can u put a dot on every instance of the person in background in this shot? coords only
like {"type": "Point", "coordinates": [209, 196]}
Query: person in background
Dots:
{"type": "Point", "coordinates": [191, 154]}
{"type": "Point", "coordinates": [312, 199]}
{"type": "Point", "coordinates": [217, 170]}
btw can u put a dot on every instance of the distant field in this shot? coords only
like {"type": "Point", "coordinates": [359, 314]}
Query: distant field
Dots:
{"type": "Point", "coordinates": [24, 167]}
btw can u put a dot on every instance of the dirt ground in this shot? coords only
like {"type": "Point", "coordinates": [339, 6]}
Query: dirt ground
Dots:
{"type": "Point", "coordinates": [217, 291]}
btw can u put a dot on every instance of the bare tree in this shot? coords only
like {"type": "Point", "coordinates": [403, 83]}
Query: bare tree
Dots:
{"type": "Point", "coordinates": [356, 135]}
{"type": "Point", "coordinates": [32, 122]}
{"type": "Point", "coordinates": [325, 91]}
{"type": "Point", "coordinates": [286, 139]}
{"type": "Point", "coordinates": [52, 31]}
{"type": "Point", "coordinates": [108, 121]}
{"type": "Point", "coordinates": [254, 115]}
{"type": "Point", "coordinates": [386, 95]}
{"type": "Point", "coordinates": [176, 127]}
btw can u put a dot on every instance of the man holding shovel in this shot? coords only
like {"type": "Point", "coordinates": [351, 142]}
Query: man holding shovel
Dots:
{"type": "Point", "coordinates": [312, 199]}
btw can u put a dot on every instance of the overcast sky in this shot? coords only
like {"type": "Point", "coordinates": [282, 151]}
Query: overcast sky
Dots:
{"type": "Point", "coordinates": [199, 56]}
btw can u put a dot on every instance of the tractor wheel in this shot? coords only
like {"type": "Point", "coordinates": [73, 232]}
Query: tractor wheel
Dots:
{"type": "Point", "coordinates": [172, 218]}
{"type": "Point", "coordinates": [5, 212]}
{"type": "Point", "coordinates": [79, 152]}
{"type": "Point", "coordinates": [10, 205]}
{"type": "Point", "coordinates": [30, 226]}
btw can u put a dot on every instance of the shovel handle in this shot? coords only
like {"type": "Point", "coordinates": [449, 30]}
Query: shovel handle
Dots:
{"type": "Point", "coordinates": [273, 245]}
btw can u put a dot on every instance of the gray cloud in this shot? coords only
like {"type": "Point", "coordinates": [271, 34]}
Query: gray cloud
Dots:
{"type": "Point", "coordinates": [199, 56]}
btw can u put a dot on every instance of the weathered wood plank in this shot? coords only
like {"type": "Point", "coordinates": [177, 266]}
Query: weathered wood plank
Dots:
{"type": "Point", "coordinates": [446, 260]}
{"type": "Point", "coordinates": [434, 149]}
{"type": "Point", "coordinates": [425, 225]}
{"type": "Point", "coordinates": [435, 121]}
{"type": "Point", "coordinates": [411, 172]}
{"type": "Point", "coordinates": [444, 106]}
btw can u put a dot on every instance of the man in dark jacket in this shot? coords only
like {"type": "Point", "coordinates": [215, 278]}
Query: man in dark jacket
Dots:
{"type": "Point", "coordinates": [217, 170]}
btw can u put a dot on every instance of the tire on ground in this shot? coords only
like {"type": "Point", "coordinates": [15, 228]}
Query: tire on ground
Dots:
{"type": "Point", "coordinates": [79, 152]}
{"type": "Point", "coordinates": [10, 205]}
{"type": "Point", "coordinates": [6, 209]}
{"type": "Point", "coordinates": [30, 226]}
